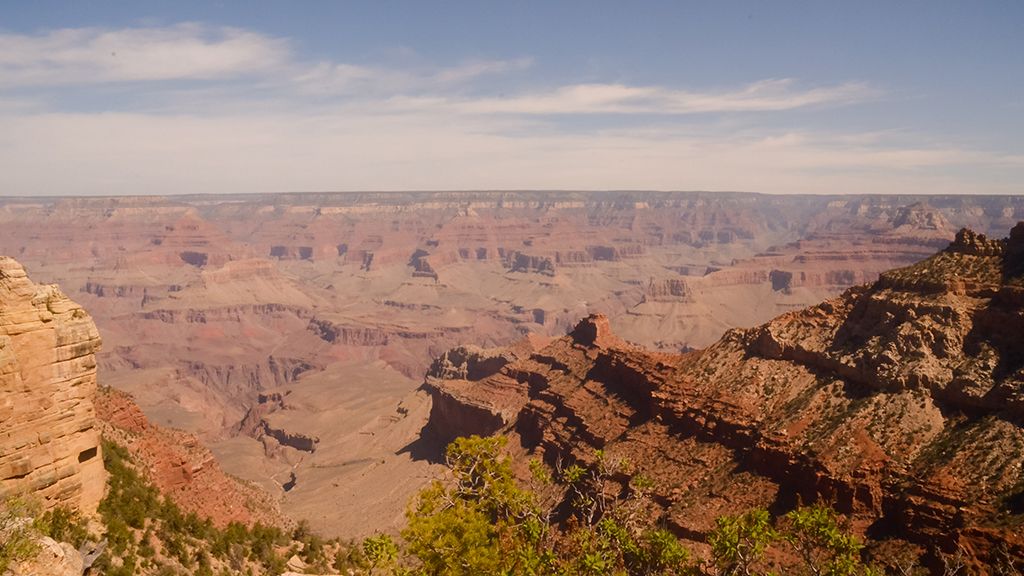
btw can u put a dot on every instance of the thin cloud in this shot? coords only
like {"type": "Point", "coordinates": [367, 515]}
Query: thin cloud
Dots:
{"type": "Point", "coordinates": [762, 96]}
{"type": "Point", "coordinates": [349, 80]}
{"type": "Point", "coordinates": [94, 56]}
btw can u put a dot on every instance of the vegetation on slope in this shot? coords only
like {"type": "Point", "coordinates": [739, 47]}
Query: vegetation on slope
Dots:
{"type": "Point", "coordinates": [485, 523]}
{"type": "Point", "coordinates": [16, 534]}
{"type": "Point", "coordinates": [148, 533]}
{"type": "Point", "coordinates": [22, 524]}
{"type": "Point", "coordinates": [482, 522]}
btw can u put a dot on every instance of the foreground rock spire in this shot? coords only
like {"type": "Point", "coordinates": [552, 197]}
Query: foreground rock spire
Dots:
{"type": "Point", "coordinates": [49, 439]}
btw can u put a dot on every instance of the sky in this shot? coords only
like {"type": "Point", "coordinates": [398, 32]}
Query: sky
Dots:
{"type": "Point", "coordinates": [179, 97]}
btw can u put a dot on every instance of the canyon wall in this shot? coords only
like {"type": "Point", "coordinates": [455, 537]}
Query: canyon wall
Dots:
{"type": "Point", "coordinates": [49, 437]}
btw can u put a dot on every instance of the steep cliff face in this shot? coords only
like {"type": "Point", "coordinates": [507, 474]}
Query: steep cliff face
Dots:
{"type": "Point", "coordinates": [900, 403]}
{"type": "Point", "coordinates": [461, 407]}
{"type": "Point", "coordinates": [49, 440]}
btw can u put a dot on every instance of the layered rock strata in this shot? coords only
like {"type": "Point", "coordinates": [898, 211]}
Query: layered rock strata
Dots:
{"type": "Point", "coordinates": [49, 439]}
{"type": "Point", "coordinates": [899, 403]}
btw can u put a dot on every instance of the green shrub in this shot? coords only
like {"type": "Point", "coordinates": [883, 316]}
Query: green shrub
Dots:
{"type": "Point", "coordinates": [64, 525]}
{"type": "Point", "coordinates": [17, 534]}
{"type": "Point", "coordinates": [133, 505]}
{"type": "Point", "coordinates": [738, 542]}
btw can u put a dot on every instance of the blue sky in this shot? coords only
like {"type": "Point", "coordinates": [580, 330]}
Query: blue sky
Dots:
{"type": "Point", "coordinates": [807, 97]}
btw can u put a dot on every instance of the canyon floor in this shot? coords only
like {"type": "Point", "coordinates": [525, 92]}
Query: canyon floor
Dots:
{"type": "Point", "coordinates": [291, 332]}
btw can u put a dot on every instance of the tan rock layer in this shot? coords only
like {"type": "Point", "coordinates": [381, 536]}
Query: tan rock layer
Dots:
{"type": "Point", "coordinates": [49, 440]}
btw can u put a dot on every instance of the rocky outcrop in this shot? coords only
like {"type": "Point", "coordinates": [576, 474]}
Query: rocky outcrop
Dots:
{"type": "Point", "coordinates": [670, 290]}
{"type": "Point", "coordinates": [781, 280]}
{"type": "Point", "coordinates": [520, 262]}
{"type": "Point", "coordinates": [420, 263]}
{"type": "Point", "coordinates": [220, 314]}
{"type": "Point", "coordinates": [240, 379]}
{"type": "Point", "coordinates": [899, 403]}
{"type": "Point", "coordinates": [49, 440]}
{"type": "Point", "coordinates": [459, 409]}
{"type": "Point", "coordinates": [469, 363]}
{"type": "Point", "coordinates": [572, 257]}
{"type": "Point", "coordinates": [921, 216]}
{"type": "Point", "coordinates": [296, 440]}
{"type": "Point", "coordinates": [52, 559]}
{"type": "Point", "coordinates": [589, 254]}
{"type": "Point", "coordinates": [258, 425]}
{"type": "Point", "coordinates": [462, 403]}
{"type": "Point", "coordinates": [349, 335]}
{"type": "Point", "coordinates": [615, 253]}
{"type": "Point", "coordinates": [295, 252]}
{"type": "Point", "coordinates": [114, 291]}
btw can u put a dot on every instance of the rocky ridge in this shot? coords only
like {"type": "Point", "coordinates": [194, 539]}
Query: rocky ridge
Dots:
{"type": "Point", "coordinates": [49, 436]}
{"type": "Point", "coordinates": [900, 403]}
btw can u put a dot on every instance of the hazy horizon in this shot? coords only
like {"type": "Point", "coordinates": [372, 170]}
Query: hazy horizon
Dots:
{"type": "Point", "coordinates": [122, 99]}
{"type": "Point", "coordinates": [623, 191]}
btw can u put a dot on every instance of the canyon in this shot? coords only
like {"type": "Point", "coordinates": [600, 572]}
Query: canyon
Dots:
{"type": "Point", "coordinates": [900, 403]}
{"type": "Point", "coordinates": [290, 332]}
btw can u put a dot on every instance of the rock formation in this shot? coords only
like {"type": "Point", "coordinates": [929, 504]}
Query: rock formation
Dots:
{"type": "Point", "coordinates": [899, 403]}
{"type": "Point", "coordinates": [520, 262]}
{"type": "Point", "coordinates": [49, 439]}
{"type": "Point", "coordinates": [52, 559]}
{"type": "Point", "coordinates": [258, 424]}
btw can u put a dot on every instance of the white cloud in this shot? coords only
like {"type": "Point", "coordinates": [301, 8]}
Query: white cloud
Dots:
{"type": "Point", "coordinates": [92, 56]}
{"type": "Point", "coordinates": [375, 82]}
{"type": "Point", "coordinates": [763, 96]}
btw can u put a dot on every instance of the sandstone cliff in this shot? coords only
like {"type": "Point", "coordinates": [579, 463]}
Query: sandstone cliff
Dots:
{"type": "Point", "coordinates": [49, 439]}
{"type": "Point", "coordinates": [899, 403]}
